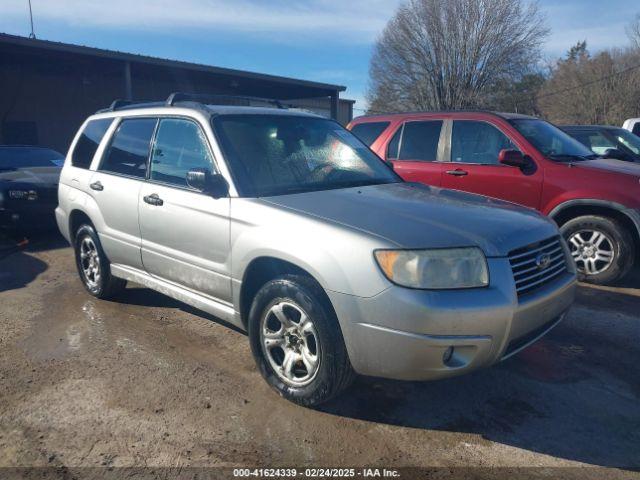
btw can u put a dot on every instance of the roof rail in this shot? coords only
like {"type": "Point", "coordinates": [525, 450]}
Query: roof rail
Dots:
{"type": "Point", "coordinates": [212, 98]}
{"type": "Point", "coordinates": [115, 105]}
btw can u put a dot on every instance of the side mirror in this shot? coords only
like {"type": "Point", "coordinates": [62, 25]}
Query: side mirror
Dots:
{"type": "Point", "coordinates": [513, 158]}
{"type": "Point", "coordinates": [615, 153]}
{"type": "Point", "coordinates": [204, 181]}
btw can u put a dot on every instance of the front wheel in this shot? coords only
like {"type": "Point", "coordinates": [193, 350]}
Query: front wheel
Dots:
{"type": "Point", "coordinates": [296, 341]}
{"type": "Point", "coordinates": [601, 247]}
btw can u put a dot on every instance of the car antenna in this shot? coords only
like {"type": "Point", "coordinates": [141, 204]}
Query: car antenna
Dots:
{"type": "Point", "coordinates": [32, 34]}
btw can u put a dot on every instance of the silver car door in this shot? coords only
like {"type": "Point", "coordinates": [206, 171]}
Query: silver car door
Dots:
{"type": "Point", "coordinates": [185, 233]}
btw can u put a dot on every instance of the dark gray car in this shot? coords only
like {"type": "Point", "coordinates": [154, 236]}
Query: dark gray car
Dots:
{"type": "Point", "coordinates": [28, 186]}
{"type": "Point", "coordinates": [607, 141]}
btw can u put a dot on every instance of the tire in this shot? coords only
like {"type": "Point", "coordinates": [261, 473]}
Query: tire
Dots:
{"type": "Point", "coordinates": [613, 238]}
{"type": "Point", "coordinates": [89, 253]}
{"type": "Point", "coordinates": [294, 296]}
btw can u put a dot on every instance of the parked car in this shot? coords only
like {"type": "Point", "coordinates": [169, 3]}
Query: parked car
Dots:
{"type": "Point", "coordinates": [633, 125]}
{"type": "Point", "coordinates": [284, 224]}
{"type": "Point", "coordinates": [28, 186]}
{"type": "Point", "coordinates": [525, 160]}
{"type": "Point", "coordinates": [607, 141]}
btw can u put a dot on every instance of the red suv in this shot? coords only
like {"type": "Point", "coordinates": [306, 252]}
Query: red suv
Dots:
{"type": "Point", "coordinates": [525, 160]}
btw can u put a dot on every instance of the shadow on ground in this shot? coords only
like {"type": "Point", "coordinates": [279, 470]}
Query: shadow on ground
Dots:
{"type": "Point", "coordinates": [145, 297]}
{"type": "Point", "coordinates": [19, 268]}
{"type": "Point", "coordinates": [575, 394]}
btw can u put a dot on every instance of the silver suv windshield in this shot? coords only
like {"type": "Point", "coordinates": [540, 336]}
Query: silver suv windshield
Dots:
{"type": "Point", "coordinates": [281, 154]}
{"type": "Point", "coordinates": [551, 141]}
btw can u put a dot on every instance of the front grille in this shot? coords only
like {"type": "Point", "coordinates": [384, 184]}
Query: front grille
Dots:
{"type": "Point", "coordinates": [519, 343]}
{"type": "Point", "coordinates": [537, 264]}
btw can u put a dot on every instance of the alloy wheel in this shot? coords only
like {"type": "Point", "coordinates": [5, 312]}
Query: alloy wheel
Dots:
{"type": "Point", "coordinates": [290, 343]}
{"type": "Point", "coordinates": [592, 250]}
{"type": "Point", "coordinates": [90, 262]}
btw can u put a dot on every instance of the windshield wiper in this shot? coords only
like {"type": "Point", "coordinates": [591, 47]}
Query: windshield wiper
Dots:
{"type": "Point", "coordinates": [570, 157]}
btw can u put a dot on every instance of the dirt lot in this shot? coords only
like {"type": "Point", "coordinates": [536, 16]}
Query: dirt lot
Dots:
{"type": "Point", "coordinates": [147, 381]}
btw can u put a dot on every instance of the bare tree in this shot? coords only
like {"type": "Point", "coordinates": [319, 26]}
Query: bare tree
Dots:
{"type": "Point", "coordinates": [633, 31]}
{"type": "Point", "coordinates": [599, 89]}
{"type": "Point", "coordinates": [440, 54]}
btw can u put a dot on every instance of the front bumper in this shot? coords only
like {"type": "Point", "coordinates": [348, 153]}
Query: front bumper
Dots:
{"type": "Point", "coordinates": [35, 216]}
{"type": "Point", "coordinates": [404, 334]}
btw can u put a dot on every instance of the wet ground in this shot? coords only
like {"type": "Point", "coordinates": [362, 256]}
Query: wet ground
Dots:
{"type": "Point", "coordinates": [147, 381]}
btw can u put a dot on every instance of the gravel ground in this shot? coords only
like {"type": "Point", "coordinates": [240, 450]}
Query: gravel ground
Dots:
{"type": "Point", "coordinates": [149, 382]}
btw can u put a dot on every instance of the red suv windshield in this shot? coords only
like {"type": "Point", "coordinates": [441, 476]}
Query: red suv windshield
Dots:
{"type": "Point", "coordinates": [551, 141]}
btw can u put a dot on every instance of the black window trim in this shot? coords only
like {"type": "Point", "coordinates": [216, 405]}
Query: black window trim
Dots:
{"type": "Point", "coordinates": [449, 142]}
{"type": "Point", "coordinates": [107, 147]}
{"type": "Point", "coordinates": [148, 178]}
{"type": "Point", "coordinates": [105, 138]}
{"type": "Point", "coordinates": [401, 131]}
{"type": "Point", "coordinates": [386, 124]}
{"type": "Point", "coordinates": [441, 149]}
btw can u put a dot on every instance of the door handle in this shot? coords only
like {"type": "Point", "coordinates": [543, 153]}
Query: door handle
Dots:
{"type": "Point", "coordinates": [458, 172]}
{"type": "Point", "coordinates": [153, 199]}
{"type": "Point", "coordinates": [97, 186]}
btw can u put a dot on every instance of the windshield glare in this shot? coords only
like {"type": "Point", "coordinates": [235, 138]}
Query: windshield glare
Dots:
{"type": "Point", "coordinates": [25, 157]}
{"type": "Point", "coordinates": [279, 154]}
{"type": "Point", "coordinates": [628, 139]}
{"type": "Point", "coordinates": [550, 140]}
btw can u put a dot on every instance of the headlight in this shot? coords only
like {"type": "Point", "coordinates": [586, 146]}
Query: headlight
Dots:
{"type": "Point", "coordinates": [435, 269]}
{"type": "Point", "coordinates": [23, 194]}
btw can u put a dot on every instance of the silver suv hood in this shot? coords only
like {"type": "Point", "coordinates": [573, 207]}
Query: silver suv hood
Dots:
{"type": "Point", "coordinates": [413, 215]}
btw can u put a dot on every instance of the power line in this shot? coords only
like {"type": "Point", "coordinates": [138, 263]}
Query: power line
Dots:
{"type": "Point", "coordinates": [592, 82]}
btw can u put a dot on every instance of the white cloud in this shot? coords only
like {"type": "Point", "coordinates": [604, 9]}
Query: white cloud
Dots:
{"type": "Point", "coordinates": [356, 19]}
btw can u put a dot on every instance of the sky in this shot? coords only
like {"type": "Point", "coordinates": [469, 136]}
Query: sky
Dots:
{"type": "Point", "coordinates": [322, 40]}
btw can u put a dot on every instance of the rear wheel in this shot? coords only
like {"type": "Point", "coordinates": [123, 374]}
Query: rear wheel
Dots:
{"type": "Point", "coordinates": [296, 341]}
{"type": "Point", "coordinates": [601, 247]}
{"type": "Point", "coordinates": [93, 266]}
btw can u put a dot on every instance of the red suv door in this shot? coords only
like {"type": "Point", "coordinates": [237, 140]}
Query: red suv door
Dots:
{"type": "Point", "coordinates": [474, 166]}
{"type": "Point", "coordinates": [416, 150]}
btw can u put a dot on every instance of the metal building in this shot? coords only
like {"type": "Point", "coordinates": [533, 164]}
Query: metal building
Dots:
{"type": "Point", "coordinates": [47, 89]}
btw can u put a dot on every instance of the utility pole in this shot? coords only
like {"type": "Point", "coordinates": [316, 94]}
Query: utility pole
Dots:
{"type": "Point", "coordinates": [32, 34]}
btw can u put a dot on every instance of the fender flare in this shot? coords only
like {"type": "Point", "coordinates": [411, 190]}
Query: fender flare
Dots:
{"type": "Point", "coordinates": [632, 214]}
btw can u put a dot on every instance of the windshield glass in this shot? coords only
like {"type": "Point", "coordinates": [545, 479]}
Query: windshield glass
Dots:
{"type": "Point", "coordinates": [25, 157]}
{"type": "Point", "coordinates": [628, 139]}
{"type": "Point", "coordinates": [551, 141]}
{"type": "Point", "coordinates": [280, 154]}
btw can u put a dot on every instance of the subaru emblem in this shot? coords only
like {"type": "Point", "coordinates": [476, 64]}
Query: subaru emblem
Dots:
{"type": "Point", "coordinates": [543, 260]}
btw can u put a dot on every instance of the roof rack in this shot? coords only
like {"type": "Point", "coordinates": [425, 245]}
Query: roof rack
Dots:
{"type": "Point", "coordinates": [115, 105]}
{"type": "Point", "coordinates": [176, 97]}
{"type": "Point", "coordinates": [213, 98]}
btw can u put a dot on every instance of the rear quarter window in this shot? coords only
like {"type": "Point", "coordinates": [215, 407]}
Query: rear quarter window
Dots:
{"type": "Point", "coordinates": [369, 132]}
{"type": "Point", "coordinates": [87, 144]}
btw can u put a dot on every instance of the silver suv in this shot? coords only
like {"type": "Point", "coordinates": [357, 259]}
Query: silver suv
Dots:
{"type": "Point", "coordinates": [285, 224]}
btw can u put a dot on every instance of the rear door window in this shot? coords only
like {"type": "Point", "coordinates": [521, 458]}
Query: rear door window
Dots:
{"type": "Point", "coordinates": [477, 142]}
{"type": "Point", "coordinates": [420, 140]}
{"type": "Point", "coordinates": [88, 142]}
{"type": "Point", "coordinates": [129, 149]}
{"type": "Point", "coordinates": [369, 132]}
{"type": "Point", "coordinates": [394, 145]}
{"type": "Point", "coordinates": [180, 146]}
